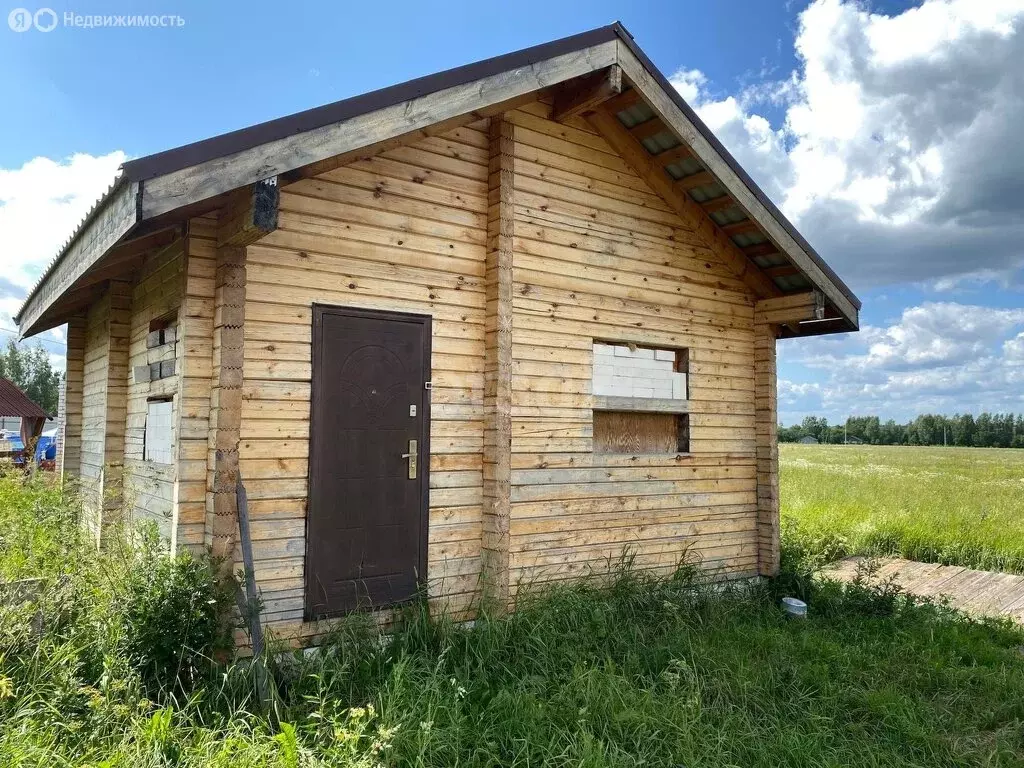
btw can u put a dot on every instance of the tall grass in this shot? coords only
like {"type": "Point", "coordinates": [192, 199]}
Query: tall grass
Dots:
{"type": "Point", "coordinates": [959, 506]}
{"type": "Point", "coordinates": [628, 672]}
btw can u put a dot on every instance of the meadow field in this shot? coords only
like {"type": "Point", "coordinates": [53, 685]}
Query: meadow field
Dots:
{"type": "Point", "coordinates": [958, 506]}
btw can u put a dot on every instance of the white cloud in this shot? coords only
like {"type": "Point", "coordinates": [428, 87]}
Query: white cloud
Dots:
{"type": "Point", "coordinates": [41, 204]}
{"type": "Point", "coordinates": [899, 154]}
{"type": "Point", "coordinates": [938, 357]}
{"type": "Point", "coordinates": [1013, 350]}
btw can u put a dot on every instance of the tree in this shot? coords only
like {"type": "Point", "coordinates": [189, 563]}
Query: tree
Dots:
{"type": "Point", "coordinates": [28, 367]}
{"type": "Point", "coordinates": [816, 427]}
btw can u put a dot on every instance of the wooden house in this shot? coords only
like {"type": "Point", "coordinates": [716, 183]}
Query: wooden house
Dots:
{"type": "Point", "coordinates": [492, 326]}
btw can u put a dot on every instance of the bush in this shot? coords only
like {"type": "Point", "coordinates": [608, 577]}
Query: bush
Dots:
{"type": "Point", "coordinates": [127, 612]}
{"type": "Point", "coordinates": [171, 615]}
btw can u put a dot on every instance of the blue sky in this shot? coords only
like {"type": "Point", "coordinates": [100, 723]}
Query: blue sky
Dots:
{"type": "Point", "coordinates": [852, 117]}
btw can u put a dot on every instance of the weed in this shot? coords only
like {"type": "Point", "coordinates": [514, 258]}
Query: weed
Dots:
{"type": "Point", "coordinates": [624, 671]}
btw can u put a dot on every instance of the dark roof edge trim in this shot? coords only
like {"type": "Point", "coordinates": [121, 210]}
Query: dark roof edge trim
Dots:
{"type": "Point", "coordinates": [762, 198]}
{"type": "Point", "coordinates": [246, 138]}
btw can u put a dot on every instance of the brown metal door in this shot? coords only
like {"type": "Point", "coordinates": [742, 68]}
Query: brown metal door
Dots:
{"type": "Point", "coordinates": [366, 530]}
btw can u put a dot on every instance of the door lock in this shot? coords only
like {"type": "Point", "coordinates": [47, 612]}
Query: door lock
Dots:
{"type": "Point", "coordinates": [413, 457]}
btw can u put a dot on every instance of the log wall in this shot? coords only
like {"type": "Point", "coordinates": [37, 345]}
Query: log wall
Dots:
{"type": "Point", "coordinates": [94, 412]}
{"type": "Point", "coordinates": [69, 457]}
{"type": "Point", "coordinates": [525, 242]}
{"type": "Point", "coordinates": [150, 486]}
{"type": "Point", "coordinates": [195, 358]}
{"type": "Point", "coordinates": [403, 231]}
{"type": "Point", "coordinates": [598, 256]}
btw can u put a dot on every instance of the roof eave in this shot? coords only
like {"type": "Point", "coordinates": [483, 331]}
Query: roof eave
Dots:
{"type": "Point", "coordinates": [159, 185]}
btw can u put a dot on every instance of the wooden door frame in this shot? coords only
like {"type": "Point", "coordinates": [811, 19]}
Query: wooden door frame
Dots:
{"type": "Point", "coordinates": [319, 311]}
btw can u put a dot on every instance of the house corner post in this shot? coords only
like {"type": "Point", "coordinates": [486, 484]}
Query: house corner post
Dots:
{"type": "Point", "coordinates": [112, 501]}
{"type": "Point", "coordinates": [249, 215]}
{"type": "Point", "coordinates": [498, 367]}
{"type": "Point", "coordinates": [766, 424]}
{"type": "Point", "coordinates": [226, 400]}
{"type": "Point", "coordinates": [69, 452]}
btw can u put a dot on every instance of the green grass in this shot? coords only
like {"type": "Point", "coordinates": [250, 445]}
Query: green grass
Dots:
{"type": "Point", "coordinates": [961, 506]}
{"type": "Point", "coordinates": [629, 671]}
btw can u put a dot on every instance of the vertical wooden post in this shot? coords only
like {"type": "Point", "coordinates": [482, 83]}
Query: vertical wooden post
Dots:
{"type": "Point", "coordinates": [119, 338]}
{"type": "Point", "coordinates": [248, 215]}
{"type": "Point", "coordinates": [192, 507]}
{"type": "Point", "coordinates": [69, 453]}
{"type": "Point", "coordinates": [226, 400]}
{"type": "Point", "coordinates": [498, 366]}
{"type": "Point", "coordinates": [766, 423]}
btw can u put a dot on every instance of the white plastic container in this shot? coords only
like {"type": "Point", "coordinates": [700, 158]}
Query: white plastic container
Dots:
{"type": "Point", "coordinates": [795, 609]}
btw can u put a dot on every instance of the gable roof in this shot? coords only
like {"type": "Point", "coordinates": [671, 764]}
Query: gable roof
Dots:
{"type": "Point", "coordinates": [165, 188]}
{"type": "Point", "coordinates": [15, 403]}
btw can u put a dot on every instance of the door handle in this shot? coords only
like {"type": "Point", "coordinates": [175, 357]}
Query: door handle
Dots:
{"type": "Point", "coordinates": [413, 457]}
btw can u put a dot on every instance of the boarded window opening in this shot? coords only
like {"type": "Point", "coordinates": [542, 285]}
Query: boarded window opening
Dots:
{"type": "Point", "coordinates": [641, 432]}
{"type": "Point", "coordinates": [640, 399]}
{"type": "Point", "coordinates": [158, 439]}
{"type": "Point", "coordinates": [162, 330]}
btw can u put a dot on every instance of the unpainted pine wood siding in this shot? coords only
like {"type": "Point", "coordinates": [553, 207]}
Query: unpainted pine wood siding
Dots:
{"type": "Point", "coordinates": [94, 411]}
{"type": "Point", "coordinates": [597, 255]}
{"type": "Point", "coordinates": [403, 231]}
{"type": "Point", "coordinates": [104, 398]}
{"type": "Point", "coordinates": [70, 454]}
{"type": "Point", "coordinates": [157, 290]}
{"type": "Point", "coordinates": [195, 328]}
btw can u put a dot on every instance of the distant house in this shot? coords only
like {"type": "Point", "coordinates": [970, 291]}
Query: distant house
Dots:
{"type": "Point", "coordinates": [808, 440]}
{"type": "Point", "coordinates": [851, 440]}
{"type": "Point", "coordinates": [487, 328]}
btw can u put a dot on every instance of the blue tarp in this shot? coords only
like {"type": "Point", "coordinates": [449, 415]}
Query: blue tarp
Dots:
{"type": "Point", "coordinates": [45, 448]}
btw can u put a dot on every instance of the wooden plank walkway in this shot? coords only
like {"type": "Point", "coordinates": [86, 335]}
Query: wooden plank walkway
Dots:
{"type": "Point", "coordinates": [981, 593]}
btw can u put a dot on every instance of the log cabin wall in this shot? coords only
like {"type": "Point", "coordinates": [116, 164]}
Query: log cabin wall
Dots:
{"type": "Point", "coordinates": [69, 457]}
{"type": "Point", "coordinates": [153, 375]}
{"type": "Point", "coordinates": [104, 406]}
{"type": "Point", "coordinates": [597, 255]}
{"type": "Point", "coordinates": [94, 412]}
{"type": "Point", "coordinates": [195, 326]}
{"type": "Point", "coordinates": [403, 231]}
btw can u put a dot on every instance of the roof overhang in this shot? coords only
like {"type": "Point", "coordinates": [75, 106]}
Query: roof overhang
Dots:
{"type": "Point", "coordinates": [161, 190]}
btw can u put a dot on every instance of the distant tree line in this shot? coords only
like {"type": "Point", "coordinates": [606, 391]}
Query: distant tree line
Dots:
{"type": "Point", "coordinates": [987, 430]}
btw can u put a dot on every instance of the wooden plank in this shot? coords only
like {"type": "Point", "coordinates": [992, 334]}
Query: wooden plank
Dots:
{"type": "Point", "coordinates": [642, 162]}
{"type": "Point", "coordinates": [227, 381]}
{"type": "Point", "coordinates": [251, 214]}
{"type": "Point", "coordinates": [623, 101]}
{"type": "Point", "coordinates": [70, 459]}
{"type": "Point", "coordinates": [635, 432]}
{"type": "Point", "coordinates": [792, 308]}
{"type": "Point", "coordinates": [640, 404]}
{"type": "Point", "coordinates": [648, 128]}
{"type": "Point", "coordinates": [400, 123]}
{"type": "Point", "coordinates": [498, 366]}
{"type": "Point", "coordinates": [760, 249]}
{"type": "Point", "coordinates": [115, 404]}
{"type": "Point", "coordinates": [722, 203]}
{"type": "Point", "coordinates": [766, 432]}
{"type": "Point", "coordinates": [740, 227]}
{"type": "Point", "coordinates": [785, 270]}
{"type": "Point", "coordinates": [675, 155]}
{"type": "Point", "coordinates": [694, 180]}
{"type": "Point", "coordinates": [584, 94]}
